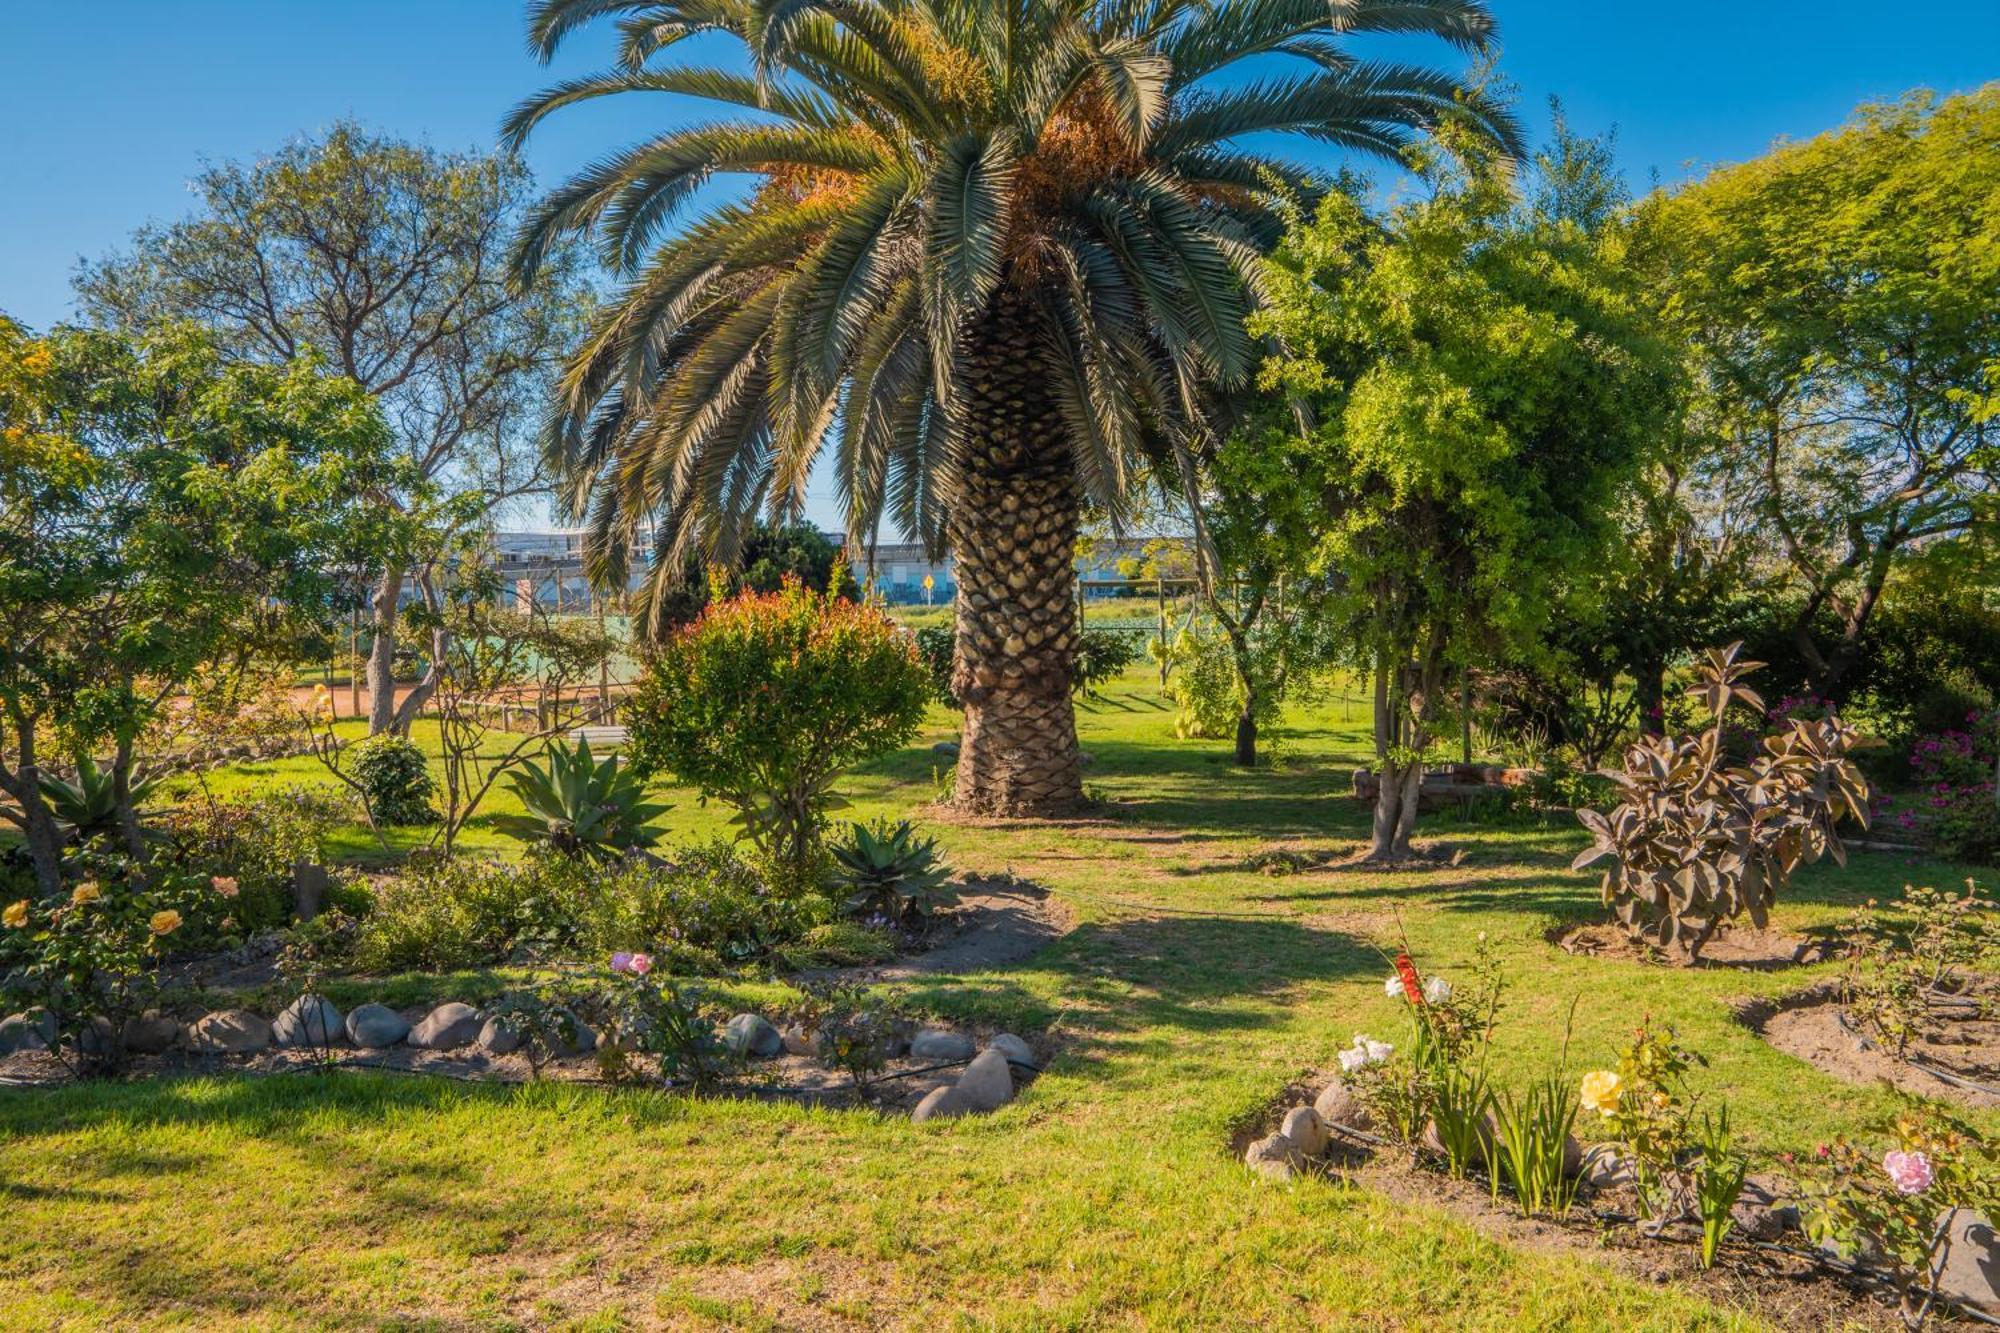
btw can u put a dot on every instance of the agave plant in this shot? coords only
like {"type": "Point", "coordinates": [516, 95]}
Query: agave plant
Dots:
{"type": "Point", "coordinates": [1695, 844]}
{"type": "Point", "coordinates": [1003, 252]}
{"type": "Point", "coordinates": [88, 807]}
{"type": "Point", "coordinates": [581, 805]}
{"type": "Point", "coordinates": [887, 871]}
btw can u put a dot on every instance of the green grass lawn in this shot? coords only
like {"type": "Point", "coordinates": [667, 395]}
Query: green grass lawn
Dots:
{"type": "Point", "coordinates": [1189, 993]}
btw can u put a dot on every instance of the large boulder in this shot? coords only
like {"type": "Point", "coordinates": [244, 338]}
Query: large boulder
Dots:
{"type": "Point", "coordinates": [1971, 1275]}
{"type": "Point", "coordinates": [229, 1032]}
{"type": "Point", "coordinates": [447, 1027]}
{"type": "Point", "coordinates": [151, 1033]}
{"type": "Point", "coordinates": [1338, 1107]}
{"type": "Point", "coordinates": [800, 1040]}
{"type": "Point", "coordinates": [941, 1103]}
{"type": "Point", "coordinates": [752, 1035]}
{"type": "Point", "coordinates": [376, 1025]}
{"type": "Point", "coordinates": [310, 1020]}
{"type": "Point", "coordinates": [1303, 1126]}
{"type": "Point", "coordinates": [1275, 1157]}
{"type": "Point", "coordinates": [941, 1046]}
{"type": "Point", "coordinates": [1017, 1051]}
{"type": "Point", "coordinates": [1604, 1168]}
{"type": "Point", "coordinates": [31, 1031]}
{"type": "Point", "coordinates": [500, 1038]}
{"type": "Point", "coordinates": [987, 1083]}
{"type": "Point", "coordinates": [1760, 1212]}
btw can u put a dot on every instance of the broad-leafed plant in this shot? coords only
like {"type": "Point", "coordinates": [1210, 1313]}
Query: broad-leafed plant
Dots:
{"type": "Point", "coordinates": [581, 805]}
{"type": "Point", "coordinates": [1696, 842]}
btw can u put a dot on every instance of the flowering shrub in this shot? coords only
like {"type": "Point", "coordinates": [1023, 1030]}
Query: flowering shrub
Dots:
{"type": "Point", "coordinates": [256, 844]}
{"type": "Point", "coordinates": [1437, 1079]}
{"type": "Point", "coordinates": [1891, 1204]}
{"type": "Point", "coordinates": [90, 960]}
{"type": "Point", "coordinates": [1894, 974]}
{"type": "Point", "coordinates": [1696, 841]}
{"type": "Point", "coordinates": [857, 1030]}
{"type": "Point", "coordinates": [394, 779]}
{"type": "Point", "coordinates": [673, 1021]}
{"type": "Point", "coordinates": [1954, 810]}
{"type": "Point", "coordinates": [766, 699]}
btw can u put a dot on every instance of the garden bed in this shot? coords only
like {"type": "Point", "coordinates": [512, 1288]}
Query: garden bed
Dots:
{"type": "Point", "coordinates": [1781, 1281]}
{"type": "Point", "coordinates": [1957, 1062]}
{"type": "Point", "coordinates": [994, 922]}
{"type": "Point", "coordinates": [1745, 950]}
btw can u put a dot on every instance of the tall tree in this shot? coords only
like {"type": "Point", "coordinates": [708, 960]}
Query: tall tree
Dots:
{"type": "Point", "coordinates": [386, 260]}
{"type": "Point", "coordinates": [1481, 379]}
{"type": "Point", "coordinates": [1842, 294]}
{"type": "Point", "coordinates": [998, 250]}
{"type": "Point", "coordinates": [158, 509]}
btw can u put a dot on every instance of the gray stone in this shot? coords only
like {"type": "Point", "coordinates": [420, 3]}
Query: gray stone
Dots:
{"type": "Point", "coordinates": [1572, 1156]}
{"type": "Point", "coordinates": [32, 1031]}
{"type": "Point", "coordinates": [1016, 1050]}
{"type": "Point", "coordinates": [1971, 1275]}
{"type": "Point", "coordinates": [987, 1083]}
{"type": "Point", "coordinates": [941, 1103]}
{"type": "Point", "coordinates": [1275, 1157]}
{"type": "Point", "coordinates": [1303, 1126]}
{"type": "Point", "coordinates": [798, 1041]}
{"type": "Point", "coordinates": [376, 1025]}
{"type": "Point", "coordinates": [945, 749]}
{"type": "Point", "coordinates": [941, 1045]}
{"type": "Point", "coordinates": [1482, 1143]}
{"type": "Point", "coordinates": [310, 1020]}
{"type": "Point", "coordinates": [752, 1034]}
{"type": "Point", "coordinates": [1084, 759]}
{"type": "Point", "coordinates": [309, 885]}
{"type": "Point", "coordinates": [498, 1038]}
{"type": "Point", "coordinates": [229, 1032]}
{"type": "Point", "coordinates": [151, 1033]}
{"type": "Point", "coordinates": [576, 1037]}
{"type": "Point", "coordinates": [96, 1039]}
{"type": "Point", "coordinates": [1604, 1168]}
{"type": "Point", "coordinates": [447, 1027]}
{"type": "Point", "coordinates": [1338, 1106]}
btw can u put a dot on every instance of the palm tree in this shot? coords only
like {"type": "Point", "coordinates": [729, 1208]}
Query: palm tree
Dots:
{"type": "Point", "coordinates": [998, 252]}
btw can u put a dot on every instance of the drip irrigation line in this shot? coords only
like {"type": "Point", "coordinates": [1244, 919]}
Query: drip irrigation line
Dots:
{"type": "Point", "coordinates": [1916, 1062]}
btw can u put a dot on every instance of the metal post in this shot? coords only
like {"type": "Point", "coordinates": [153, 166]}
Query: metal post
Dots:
{"type": "Point", "coordinates": [354, 662]}
{"type": "Point", "coordinates": [1161, 587]}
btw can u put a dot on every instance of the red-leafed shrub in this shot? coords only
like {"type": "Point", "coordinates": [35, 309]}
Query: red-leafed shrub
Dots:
{"type": "Point", "coordinates": [767, 698]}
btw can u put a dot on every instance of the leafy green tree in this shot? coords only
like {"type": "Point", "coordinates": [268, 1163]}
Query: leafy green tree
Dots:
{"type": "Point", "coordinates": [386, 260]}
{"type": "Point", "coordinates": [163, 509]}
{"type": "Point", "coordinates": [1840, 293]}
{"type": "Point", "coordinates": [1480, 382]}
{"type": "Point", "coordinates": [996, 250]}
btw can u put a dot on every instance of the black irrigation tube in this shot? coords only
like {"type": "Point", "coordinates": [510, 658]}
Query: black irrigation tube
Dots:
{"type": "Point", "coordinates": [1916, 1062]}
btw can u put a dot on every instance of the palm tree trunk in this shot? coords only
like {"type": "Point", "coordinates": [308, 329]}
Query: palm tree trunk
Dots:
{"type": "Point", "coordinates": [1013, 536]}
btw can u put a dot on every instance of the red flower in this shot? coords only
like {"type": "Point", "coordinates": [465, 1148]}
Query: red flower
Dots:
{"type": "Point", "coordinates": [1407, 970]}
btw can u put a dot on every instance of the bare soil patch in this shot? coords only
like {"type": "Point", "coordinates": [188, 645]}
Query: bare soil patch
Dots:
{"type": "Point", "coordinates": [1744, 950]}
{"type": "Point", "coordinates": [996, 922]}
{"type": "Point", "coordinates": [1963, 1049]}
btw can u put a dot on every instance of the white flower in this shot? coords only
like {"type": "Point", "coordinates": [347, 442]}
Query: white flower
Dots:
{"type": "Point", "coordinates": [1437, 990]}
{"type": "Point", "coordinates": [1352, 1060]}
{"type": "Point", "coordinates": [1393, 987]}
{"type": "Point", "coordinates": [1364, 1052]}
{"type": "Point", "coordinates": [1378, 1051]}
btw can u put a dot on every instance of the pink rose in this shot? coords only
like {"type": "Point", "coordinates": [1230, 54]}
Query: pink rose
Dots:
{"type": "Point", "coordinates": [1909, 1172]}
{"type": "Point", "coordinates": [641, 964]}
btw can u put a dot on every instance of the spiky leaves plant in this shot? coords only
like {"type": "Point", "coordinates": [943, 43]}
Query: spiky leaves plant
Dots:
{"type": "Point", "coordinates": [580, 805]}
{"type": "Point", "coordinates": [88, 807]}
{"type": "Point", "coordinates": [999, 253]}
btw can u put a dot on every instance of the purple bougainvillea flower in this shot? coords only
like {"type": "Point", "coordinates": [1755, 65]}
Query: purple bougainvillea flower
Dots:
{"type": "Point", "coordinates": [621, 962]}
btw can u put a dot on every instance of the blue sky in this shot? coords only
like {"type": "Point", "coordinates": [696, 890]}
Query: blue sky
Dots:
{"type": "Point", "coordinates": [111, 106]}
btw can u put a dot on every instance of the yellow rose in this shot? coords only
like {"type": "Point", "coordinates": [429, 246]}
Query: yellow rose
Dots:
{"type": "Point", "coordinates": [86, 892]}
{"type": "Point", "coordinates": [1600, 1091]}
{"type": "Point", "coordinates": [16, 915]}
{"type": "Point", "coordinates": [166, 923]}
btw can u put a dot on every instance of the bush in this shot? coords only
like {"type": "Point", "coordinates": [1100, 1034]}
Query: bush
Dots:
{"type": "Point", "coordinates": [255, 844]}
{"type": "Point", "coordinates": [446, 913]}
{"type": "Point", "coordinates": [937, 645]}
{"type": "Point", "coordinates": [706, 910]}
{"type": "Point", "coordinates": [766, 699]}
{"type": "Point", "coordinates": [1101, 654]}
{"type": "Point", "coordinates": [395, 779]}
{"type": "Point", "coordinates": [1696, 841]}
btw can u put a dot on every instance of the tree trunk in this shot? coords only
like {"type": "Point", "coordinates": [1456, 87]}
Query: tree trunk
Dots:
{"type": "Point", "coordinates": [1013, 534]}
{"type": "Point", "coordinates": [382, 652]}
{"type": "Point", "coordinates": [121, 793]}
{"type": "Point", "coordinates": [38, 826]}
{"type": "Point", "coordinates": [1649, 688]}
{"type": "Point", "coordinates": [1389, 833]}
{"type": "Point", "coordinates": [1246, 734]}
